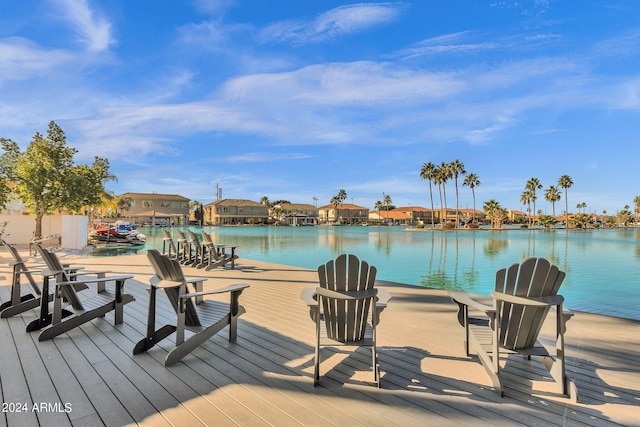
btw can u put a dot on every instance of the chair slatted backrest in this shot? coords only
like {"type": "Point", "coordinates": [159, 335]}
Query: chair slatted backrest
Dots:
{"type": "Point", "coordinates": [19, 265]}
{"type": "Point", "coordinates": [346, 320]}
{"type": "Point", "coordinates": [168, 240]}
{"type": "Point", "coordinates": [166, 268]}
{"type": "Point", "coordinates": [61, 275]}
{"type": "Point", "coordinates": [207, 240]}
{"type": "Point", "coordinates": [535, 277]}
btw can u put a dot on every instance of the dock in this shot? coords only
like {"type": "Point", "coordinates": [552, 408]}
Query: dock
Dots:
{"type": "Point", "coordinates": [89, 376]}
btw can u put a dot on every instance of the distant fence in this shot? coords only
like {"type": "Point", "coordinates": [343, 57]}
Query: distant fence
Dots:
{"type": "Point", "coordinates": [19, 229]}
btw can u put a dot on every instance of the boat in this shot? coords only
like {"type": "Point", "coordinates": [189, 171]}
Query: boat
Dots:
{"type": "Point", "coordinates": [119, 233]}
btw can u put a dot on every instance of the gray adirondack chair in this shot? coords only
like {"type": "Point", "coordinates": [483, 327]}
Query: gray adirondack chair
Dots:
{"type": "Point", "coordinates": [20, 300]}
{"type": "Point", "coordinates": [216, 255]}
{"type": "Point", "coordinates": [68, 282]}
{"type": "Point", "coordinates": [346, 308]}
{"type": "Point", "coordinates": [169, 245]}
{"type": "Point", "coordinates": [524, 294]}
{"type": "Point", "coordinates": [198, 319]}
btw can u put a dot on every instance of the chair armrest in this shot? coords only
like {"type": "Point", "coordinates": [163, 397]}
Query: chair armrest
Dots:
{"type": "Point", "coordinates": [308, 295]}
{"type": "Point", "coordinates": [97, 280]}
{"type": "Point", "coordinates": [231, 288]}
{"type": "Point", "coordinates": [547, 301]}
{"type": "Point", "coordinates": [463, 298]}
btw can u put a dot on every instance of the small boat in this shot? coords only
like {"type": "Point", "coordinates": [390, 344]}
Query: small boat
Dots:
{"type": "Point", "coordinates": [120, 232]}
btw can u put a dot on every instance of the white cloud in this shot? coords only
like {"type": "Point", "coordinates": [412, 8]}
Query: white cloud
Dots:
{"type": "Point", "coordinates": [21, 59]}
{"type": "Point", "coordinates": [338, 22]}
{"type": "Point", "coordinates": [92, 29]}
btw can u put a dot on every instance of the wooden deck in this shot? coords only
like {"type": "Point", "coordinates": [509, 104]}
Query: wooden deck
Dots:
{"type": "Point", "coordinates": [90, 377]}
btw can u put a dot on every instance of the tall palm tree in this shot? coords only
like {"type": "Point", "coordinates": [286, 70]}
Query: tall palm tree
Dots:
{"type": "Point", "coordinates": [438, 179]}
{"type": "Point", "coordinates": [472, 182]}
{"type": "Point", "coordinates": [566, 182]}
{"type": "Point", "coordinates": [552, 195]}
{"type": "Point", "coordinates": [428, 172]}
{"type": "Point", "coordinates": [386, 201]}
{"type": "Point", "coordinates": [340, 198]}
{"type": "Point", "coordinates": [525, 199]}
{"type": "Point", "coordinates": [445, 175]}
{"type": "Point", "coordinates": [532, 185]}
{"type": "Point", "coordinates": [457, 168]}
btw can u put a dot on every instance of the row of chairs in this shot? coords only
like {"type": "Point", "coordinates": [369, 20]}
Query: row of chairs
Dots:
{"type": "Point", "coordinates": [196, 253]}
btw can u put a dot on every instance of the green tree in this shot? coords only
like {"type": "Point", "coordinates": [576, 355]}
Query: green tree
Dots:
{"type": "Point", "coordinates": [566, 183]}
{"type": "Point", "coordinates": [123, 203]}
{"type": "Point", "coordinates": [552, 195]}
{"type": "Point", "coordinates": [636, 202]}
{"type": "Point", "coordinates": [625, 216]}
{"type": "Point", "coordinates": [198, 211]}
{"type": "Point", "coordinates": [495, 213]}
{"type": "Point", "coordinates": [457, 168]}
{"type": "Point", "coordinates": [428, 172]}
{"type": "Point", "coordinates": [472, 182]}
{"type": "Point", "coordinates": [47, 180]}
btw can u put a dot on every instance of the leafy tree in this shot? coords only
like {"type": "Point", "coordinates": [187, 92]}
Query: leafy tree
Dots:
{"type": "Point", "coordinates": [46, 178]}
{"type": "Point", "coordinates": [472, 182]}
{"type": "Point", "coordinates": [457, 168]}
{"type": "Point", "coordinates": [547, 220]}
{"type": "Point", "coordinates": [428, 172]}
{"type": "Point", "coordinates": [625, 216]}
{"type": "Point", "coordinates": [198, 211]}
{"type": "Point", "coordinates": [636, 202]}
{"type": "Point", "coordinates": [445, 175]}
{"type": "Point", "coordinates": [495, 213]}
{"type": "Point", "coordinates": [123, 203]}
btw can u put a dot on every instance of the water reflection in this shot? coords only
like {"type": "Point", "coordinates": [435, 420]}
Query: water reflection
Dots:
{"type": "Point", "coordinates": [601, 265]}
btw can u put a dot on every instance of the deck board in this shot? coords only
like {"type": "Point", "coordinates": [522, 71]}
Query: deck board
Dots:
{"type": "Point", "coordinates": [265, 378]}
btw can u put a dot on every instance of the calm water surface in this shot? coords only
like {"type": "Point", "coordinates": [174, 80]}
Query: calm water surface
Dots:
{"type": "Point", "coordinates": [602, 266]}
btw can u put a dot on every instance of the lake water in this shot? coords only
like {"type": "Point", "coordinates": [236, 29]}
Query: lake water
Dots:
{"type": "Point", "coordinates": [602, 266]}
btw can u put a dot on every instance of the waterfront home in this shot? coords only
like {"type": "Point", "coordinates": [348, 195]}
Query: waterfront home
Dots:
{"type": "Point", "coordinates": [296, 213]}
{"type": "Point", "coordinates": [390, 217]}
{"type": "Point", "coordinates": [157, 209]}
{"type": "Point", "coordinates": [235, 212]}
{"type": "Point", "coordinates": [343, 213]}
{"type": "Point", "coordinates": [417, 214]}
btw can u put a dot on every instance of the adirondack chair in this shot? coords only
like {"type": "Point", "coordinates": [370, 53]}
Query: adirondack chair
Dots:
{"type": "Point", "coordinates": [346, 308]}
{"type": "Point", "coordinates": [216, 254]}
{"type": "Point", "coordinates": [524, 294]}
{"type": "Point", "coordinates": [202, 318]}
{"type": "Point", "coordinates": [186, 255]}
{"type": "Point", "coordinates": [168, 245]}
{"type": "Point", "coordinates": [67, 284]}
{"type": "Point", "coordinates": [20, 303]}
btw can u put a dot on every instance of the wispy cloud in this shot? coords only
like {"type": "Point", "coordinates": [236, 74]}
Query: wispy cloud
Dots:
{"type": "Point", "coordinates": [92, 29]}
{"type": "Point", "coordinates": [338, 22]}
{"type": "Point", "coordinates": [262, 157]}
{"type": "Point", "coordinates": [22, 59]}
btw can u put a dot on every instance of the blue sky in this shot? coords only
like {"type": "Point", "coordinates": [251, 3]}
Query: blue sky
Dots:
{"type": "Point", "coordinates": [298, 99]}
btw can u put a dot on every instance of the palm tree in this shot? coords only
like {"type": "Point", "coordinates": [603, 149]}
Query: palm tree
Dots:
{"type": "Point", "coordinates": [445, 175]}
{"type": "Point", "coordinates": [565, 182]}
{"type": "Point", "coordinates": [552, 195]}
{"type": "Point", "coordinates": [495, 213]}
{"type": "Point", "coordinates": [428, 172]}
{"type": "Point", "coordinates": [339, 199]}
{"type": "Point", "coordinates": [472, 182]}
{"type": "Point", "coordinates": [525, 199]}
{"type": "Point", "coordinates": [533, 184]}
{"type": "Point", "coordinates": [438, 178]}
{"type": "Point", "coordinates": [386, 201]}
{"type": "Point", "coordinates": [457, 168]}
